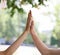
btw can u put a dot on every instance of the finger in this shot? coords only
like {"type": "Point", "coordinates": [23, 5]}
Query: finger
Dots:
{"type": "Point", "coordinates": [30, 11]}
{"type": "Point", "coordinates": [29, 17]}
{"type": "Point", "coordinates": [32, 23]}
{"type": "Point", "coordinates": [30, 14]}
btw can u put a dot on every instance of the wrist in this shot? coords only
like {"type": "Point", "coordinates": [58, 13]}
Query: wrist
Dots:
{"type": "Point", "coordinates": [32, 32]}
{"type": "Point", "coordinates": [26, 31]}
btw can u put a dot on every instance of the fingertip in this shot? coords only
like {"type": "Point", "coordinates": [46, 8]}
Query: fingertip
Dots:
{"type": "Point", "coordinates": [30, 12]}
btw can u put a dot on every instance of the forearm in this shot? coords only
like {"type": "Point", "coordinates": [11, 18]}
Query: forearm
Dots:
{"type": "Point", "coordinates": [40, 45]}
{"type": "Point", "coordinates": [16, 44]}
{"type": "Point", "coordinates": [2, 53]}
{"type": "Point", "coordinates": [54, 51]}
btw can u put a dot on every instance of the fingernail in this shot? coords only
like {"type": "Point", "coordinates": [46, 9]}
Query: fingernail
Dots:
{"type": "Point", "coordinates": [30, 11]}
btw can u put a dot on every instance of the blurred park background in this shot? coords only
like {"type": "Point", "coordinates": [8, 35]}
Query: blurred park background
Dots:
{"type": "Point", "coordinates": [46, 15]}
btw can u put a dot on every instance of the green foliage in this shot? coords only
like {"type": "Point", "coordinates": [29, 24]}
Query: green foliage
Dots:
{"type": "Point", "coordinates": [41, 2]}
{"type": "Point", "coordinates": [1, 25]}
{"type": "Point", "coordinates": [11, 26]}
{"type": "Point", "coordinates": [53, 41]}
{"type": "Point", "coordinates": [29, 1]}
{"type": "Point", "coordinates": [1, 29]}
{"type": "Point", "coordinates": [28, 40]}
{"type": "Point", "coordinates": [7, 28]}
{"type": "Point", "coordinates": [10, 30]}
{"type": "Point", "coordinates": [56, 31]}
{"type": "Point", "coordinates": [11, 4]}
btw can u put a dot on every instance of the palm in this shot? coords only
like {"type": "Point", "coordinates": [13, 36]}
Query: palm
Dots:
{"type": "Point", "coordinates": [28, 21]}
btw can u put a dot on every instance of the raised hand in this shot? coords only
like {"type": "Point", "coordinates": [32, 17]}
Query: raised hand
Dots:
{"type": "Point", "coordinates": [29, 20]}
{"type": "Point", "coordinates": [11, 49]}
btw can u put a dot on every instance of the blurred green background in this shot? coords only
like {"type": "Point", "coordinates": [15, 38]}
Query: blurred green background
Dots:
{"type": "Point", "coordinates": [13, 20]}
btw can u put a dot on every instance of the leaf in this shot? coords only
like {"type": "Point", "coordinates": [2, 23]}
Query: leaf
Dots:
{"type": "Point", "coordinates": [36, 6]}
{"type": "Point", "coordinates": [11, 4]}
{"type": "Point", "coordinates": [12, 12]}
{"type": "Point", "coordinates": [8, 3]}
{"type": "Point", "coordinates": [30, 1]}
{"type": "Point", "coordinates": [20, 10]}
{"type": "Point", "coordinates": [41, 2]}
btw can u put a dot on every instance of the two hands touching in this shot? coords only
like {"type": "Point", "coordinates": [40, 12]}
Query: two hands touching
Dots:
{"type": "Point", "coordinates": [30, 23]}
{"type": "Point", "coordinates": [44, 50]}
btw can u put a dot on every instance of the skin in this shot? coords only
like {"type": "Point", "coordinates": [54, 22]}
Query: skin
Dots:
{"type": "Point", "coordinates": [43, 49]}
{"type": "Point", "coordinates": [10, 50]}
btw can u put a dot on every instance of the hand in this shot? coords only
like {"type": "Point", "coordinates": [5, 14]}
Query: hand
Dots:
{"type": "Point", "coordinates": [28, 21]}
{"type": "Point", "coordinates": [32, 29]}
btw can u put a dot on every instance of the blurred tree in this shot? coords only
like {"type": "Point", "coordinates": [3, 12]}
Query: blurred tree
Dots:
{"type": "Point", "coordinates": [56, 31]}
{"type": "Point", "coordinates": [12, 25]}
{"type": "Point", "coordinates": [7, 25]}
{"type": "Point", "coordinates": [1, 25]}
{"type": "Point", "coordinates": [57, 27]}
{"type": "Point", "coordinates": [10, 30]}
{"type": "Point", "coordinates": [17, 4]}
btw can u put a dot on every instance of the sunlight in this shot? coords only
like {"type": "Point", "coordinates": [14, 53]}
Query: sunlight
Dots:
{"type": "Point", "coordinates": [12, 25]}
{"type": "Point", "coordinates": [40, 15]}
{"type": "Point", "coordinates": [45, 22]}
